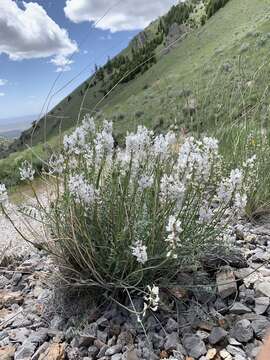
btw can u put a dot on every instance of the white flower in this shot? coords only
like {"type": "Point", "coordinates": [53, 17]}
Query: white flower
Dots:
{"type": "Point", "coordinates": [81, 190]}
{"type": "Point", "coordinates": [88, 124]}
{"type": "Point", "coordinates": [75, 143]}
{"type": "Point", "coordinates": [3, 194]}
{"type": "Point", "coordinates": [26, 171]}
{"type": "Point", "coordinates": [162, 144]}
{"type": "Point", "coordinates": [151, 299]}
{"type": "Point", "coordinates": [205, 214]}
{"type": "Point", "coordinates": [211, 144]}
{"type": "Point", "coordinates": [104, 142]}
{"type": "Point", "coordinates": [174, 229]}
{"type": "Point", "coordinates": [140, 252]}
{"type": "Point", "coordinates": [172, 189]}
{"type": "Point", "coordinates": [136, 143]}
{"type": "Point", "coordinates": [250, 163]}
{"type": "Point", "coordinates": [240, 202]}
{"type": "Point", "coordinates": [145, 182]}
{"type": "Point", "coordinates": [56, 164]}
{"type": "Point", "coordinates": [236, 177]}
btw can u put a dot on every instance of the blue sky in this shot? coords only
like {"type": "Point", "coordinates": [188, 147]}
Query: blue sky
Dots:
{"type": "Point", "coordinates": [44, 39]}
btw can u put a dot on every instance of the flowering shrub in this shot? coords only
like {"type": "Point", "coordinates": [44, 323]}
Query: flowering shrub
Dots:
{"type": "Point", "coordinates": [132, 218]}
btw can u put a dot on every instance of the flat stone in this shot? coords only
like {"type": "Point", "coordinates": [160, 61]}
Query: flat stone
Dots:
{"type": "Point", "coordinates": [8, 298]}
{"type": "Point", "coordinates": [19, 335]}
{"type": "Point", "coordinates": [54, 352]}
{"type": "Point", "coordinates": [226, 283]}
{"type": "Point", "coordinates": [235, 351]}
{"type": "Point", "coordinates": [7, 352]}
{"type": "Point", "coordinates": [113, 350]}
{"type": "Point", "coordinates": [194, 346]}
{"type": "Point", "coordinates": [25, 351]}
{"type": "Point", "coordinates": [242, 331]}
{"type": "Point", "coordinates": [260, 327]}
{"type": "Point", "coordinates": [239, 309]}
{"type": "Point", "coordinates": [172, 340]}
{"type": "Point", "coordinates": [263, 289]}
{"type": "Point", "coordinates": [217, 335]}
{"type": "Point", "coordinates": [171, 325]}
{"type": "Point", "coordinates": [211, 353]}
{"type": "Point", "coordinates": [225, 355]}
{"type": "Point", "coordinates": [261, 305]}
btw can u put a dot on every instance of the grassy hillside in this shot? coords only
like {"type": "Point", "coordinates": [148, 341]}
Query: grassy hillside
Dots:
{"type": "Point", "coordinates": [214, 80]}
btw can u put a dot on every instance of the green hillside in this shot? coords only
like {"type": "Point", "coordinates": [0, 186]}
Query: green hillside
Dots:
{"type": "Point", "coordinates": [214, 78]}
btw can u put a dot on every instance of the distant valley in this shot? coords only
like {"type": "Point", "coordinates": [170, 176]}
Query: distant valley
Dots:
{"type": "Point", "coordinates": [12, 127]}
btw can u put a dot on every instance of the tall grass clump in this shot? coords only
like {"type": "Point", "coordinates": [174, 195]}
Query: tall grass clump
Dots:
{"type": "Point", "coordinates": [132, 218]}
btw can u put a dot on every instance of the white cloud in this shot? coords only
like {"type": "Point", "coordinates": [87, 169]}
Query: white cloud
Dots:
{"type": "Point", "coordinates": [3, 82]}
{"type": "Point", "coordinates": [2, 94]}
{"type": "Point", "coordinates": [62, 63]}
{"type": "Point", "coordinates": [28, 32]}
{"type": "Point", "coordinates": [117, 15]}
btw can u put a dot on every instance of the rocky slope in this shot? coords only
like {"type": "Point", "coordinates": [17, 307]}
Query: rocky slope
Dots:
{"type": "Point", "coordinates": [227, 318]}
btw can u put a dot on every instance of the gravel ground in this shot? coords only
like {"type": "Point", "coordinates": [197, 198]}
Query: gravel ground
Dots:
{"type": "Point", "coordinates": [11, 241]}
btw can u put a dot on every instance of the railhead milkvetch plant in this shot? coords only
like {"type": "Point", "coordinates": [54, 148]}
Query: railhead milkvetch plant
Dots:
{"type": "Point", "coordinates": [131, 219]}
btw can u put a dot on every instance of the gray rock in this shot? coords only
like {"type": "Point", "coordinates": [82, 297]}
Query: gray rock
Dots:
{"type": "Point", "coordinates": [194, 346]}
{"type": "Point", "coordinates": [3, 281]}
{"type": "Point", "coordinates": [25, 351]}
{"type": "Point", "coordinates": [261, 305]}
{"type": "Point", "coordinates": [263, 289]}
{"type": "Point", "coordinates": [16, 278]}
{"type": "Point", "coordinates": [239, 309]}
{"type": "Point", "coordinates": [226, 283]}
{"type": "Point", "coordinates": [92, 351]}
{"type": "Point", "coordinates": [260, 327]}
{"type": "Point", "coordinates": [172, 340]}
{"type": "Point", "coordinates": [171, 325]}
{"type": "Point", "coordinates": [116, 357]}
{"type": "Point", "coordinates": [217, 334]}
{"type": "Point", "coordinates": [236, 351]}
{"type": "Point", "coordinates": [39, 336]}
{"type": "Point", "coordinates": [113, 350]}
{"type": "Point", "coordinates": [19, 335]}
{"type": "Point", "coordinates": [57, 323]}
{"type": "Point", "coordinates": [85, 340]}
{"type": "Point", "coordinates": [242, 331]}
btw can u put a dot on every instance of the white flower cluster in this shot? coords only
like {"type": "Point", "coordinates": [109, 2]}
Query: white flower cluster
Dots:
{"type": "Point", "coordinates": [3, 194]}
{"type": "Point", "coordinates": [174, 229]}
{"type": "Point", "coordinates": [56, 164]}
{"type": "Point", "coordinates": [151, 299]}
{"type": "Point", "coordinates": [26, 171]}
{"type": "Point", "coordinates": [81, 191]}
{"type": "Point", "coordinates": [140, 252]}
{"type": "Point", "coordinates": [196, 158]}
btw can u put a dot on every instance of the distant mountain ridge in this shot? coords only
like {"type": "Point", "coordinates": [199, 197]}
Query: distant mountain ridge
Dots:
{"type": "Point", "coordinates": [13, 127]}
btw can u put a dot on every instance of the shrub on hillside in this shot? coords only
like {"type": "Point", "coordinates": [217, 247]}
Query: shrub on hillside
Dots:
{"type": "Point", "coordinates": [131, 219]}
{"type": "Point", "coordinates": [214, 5]}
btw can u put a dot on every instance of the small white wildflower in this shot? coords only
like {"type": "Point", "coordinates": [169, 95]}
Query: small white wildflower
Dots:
{"type": "Point", "coordinates": [250, 163]}
{"type": "Point", "coordinates": [240, 202]}
{"type": "Point", "coordinates": [171, 189]}
{"type": "Point", "coordinates": [145, 182]}
{"type": "Point", "coordinates": [140, 252]}
{"type": "Point", "coordinates": [75, 143]}
{"type": "Point", "coordinates": [26, 171]}
{"type": "Point", "coordinates": [210, 143]}
{"type": "Point", "coordinates": [136, 143]}
{"type": "Point", "coordinates": [3, 194]}
{"type": "Point", "coordinates": [81, 190]}
{"type": "Point", "coordinates": [236, 177]}
{"type": "Point", "coordinates": [56, 164]}
{"type": "Point", "coordinates": [88, 124]}
{"type": "Point", "coordinates": [151, 299]}
{"type": "Point", "coordinates": [174, 229]}
{"type": "Point", "coordinates": [205, 214]}
{"type": "Point", "coordinates": [162, 144]}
